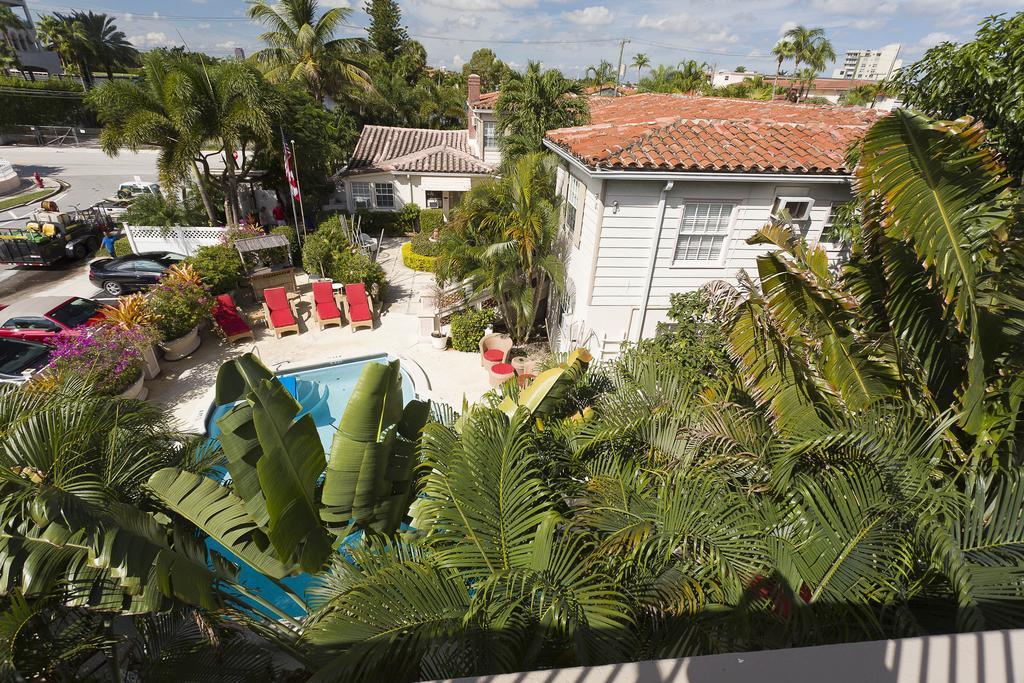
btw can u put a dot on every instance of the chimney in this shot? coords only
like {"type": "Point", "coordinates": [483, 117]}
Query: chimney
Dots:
{"type": "Point", "coordinates": [472, 96]}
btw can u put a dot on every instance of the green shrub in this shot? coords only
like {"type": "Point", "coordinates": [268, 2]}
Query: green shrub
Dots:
{"type": "Point", "coordinates": [24, 106]}
{"type": "Point", "coordinates": [372, 222]}
{"type": "Point", "coordinates": [409, 217]}
{"type": "Point", "coordinates": [349, 266]}
{"type": "Point", "coordinates": [218, 266]}
{"type": "Point", "coordinates": [179, 305]}
{"type": "Point", "coordinates": [411, 259]}
{"type": "Point", "coordinates": [422, 245]}
{"type": "Point", "coordinates": [293, 240]}
{"type": "Point", "coordinates": [430, 220]}
{"type": "Point", "coordinates": [468, 327]}
{"type": "Point", "coordinates": [122, 247]}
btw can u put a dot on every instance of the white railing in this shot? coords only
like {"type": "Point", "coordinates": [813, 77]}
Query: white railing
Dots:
{"type": "Point", "coordinates": [179, 239]}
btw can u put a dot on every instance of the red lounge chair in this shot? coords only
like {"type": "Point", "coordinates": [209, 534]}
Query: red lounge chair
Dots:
{"type": "Point", "coordinates": [358, 306]}
{"type": "Point", "coordinates": [325, 307]}
{"type": "Point", "coordinates": [230, 320]}
{"type": "Point", "coordinates": [279, 312]}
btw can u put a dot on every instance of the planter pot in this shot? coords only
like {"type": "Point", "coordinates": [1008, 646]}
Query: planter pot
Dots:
{"type": "Point", "coordinates": [439, 343]}
{"type": "Point", "coordinates": [152, 368]}
{"type": "Point", "coordinates": [176, 349]}
{"type": "Point", "coordinates": [136, 390]}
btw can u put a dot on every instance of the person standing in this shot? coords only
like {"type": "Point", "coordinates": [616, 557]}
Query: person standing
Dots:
{"type": "Point", "coordinates": [108, 244]}
{"type": "Point", "coordinates": [279, 214]}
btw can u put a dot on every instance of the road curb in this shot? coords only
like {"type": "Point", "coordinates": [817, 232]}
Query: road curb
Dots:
{"type": "Point", "coordinates": [61, 187]}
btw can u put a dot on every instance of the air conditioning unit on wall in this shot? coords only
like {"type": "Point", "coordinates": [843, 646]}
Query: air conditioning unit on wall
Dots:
{"type": "Point", "coordinates": [798, 208]}
{"type": "Point", "coordinates": [433, 203]}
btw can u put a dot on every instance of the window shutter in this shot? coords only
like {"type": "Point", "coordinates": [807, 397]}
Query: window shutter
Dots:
{"type": "Point", "coordinates": [581, 206]}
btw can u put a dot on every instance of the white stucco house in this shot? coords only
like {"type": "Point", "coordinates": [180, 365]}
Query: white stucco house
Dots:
{"type": "Point", "coordinates": [661, 193]}
{"type": "Point", "coordinates": [392, 166]}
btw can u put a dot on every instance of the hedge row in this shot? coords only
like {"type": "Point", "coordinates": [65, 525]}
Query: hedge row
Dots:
{"type": "Point", "coordinates": [411, 259]}
{"type": "Point", "coordinates": [29, 107]}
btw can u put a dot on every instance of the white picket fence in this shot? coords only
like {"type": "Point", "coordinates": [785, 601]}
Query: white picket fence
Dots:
{"type": "Point", "coordinates": [181, 240]}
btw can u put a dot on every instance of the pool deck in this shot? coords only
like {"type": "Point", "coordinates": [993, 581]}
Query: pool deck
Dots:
{"type": "Point", "coordinates": [186, 386]}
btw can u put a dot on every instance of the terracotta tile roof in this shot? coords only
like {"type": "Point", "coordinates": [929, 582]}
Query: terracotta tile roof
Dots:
{"type": "Point", "coordinates": [679, 133]}
{"type": "Point", "coordinates": [486, 100]}
{"type": "Point", "coordinates": [826, 84]}
{"type": "Point", "coordinates": [413, 150]}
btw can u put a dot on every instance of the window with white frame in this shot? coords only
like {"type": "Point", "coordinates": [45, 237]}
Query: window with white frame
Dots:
{"type": "Point", "coordinates": [360, 194]}
{"type": "Point", "coordinates": [572, 204]}
{"type": "Point", "coordinates": [702, 231]}
{"type": "Point", "coordinates": [490, 134]}
{"type": "Point", "coordinates": [385, 195]}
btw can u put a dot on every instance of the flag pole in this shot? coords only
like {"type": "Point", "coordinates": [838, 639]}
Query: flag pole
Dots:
{"type": "Point", "coordinates": [295, 217]}
{"type": "Point", "coordinates": [298, 186]}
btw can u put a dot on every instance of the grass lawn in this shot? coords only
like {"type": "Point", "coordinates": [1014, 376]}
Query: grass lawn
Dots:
{"type": "Point", "coordinates": [24, 198]}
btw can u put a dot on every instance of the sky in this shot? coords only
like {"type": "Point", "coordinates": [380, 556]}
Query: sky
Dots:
{"type": "Point", "coordinates": [571, 34]}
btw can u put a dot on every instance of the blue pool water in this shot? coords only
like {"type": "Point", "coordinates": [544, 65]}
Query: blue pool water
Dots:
{"type": "Point", "coordinates": [323, 392]}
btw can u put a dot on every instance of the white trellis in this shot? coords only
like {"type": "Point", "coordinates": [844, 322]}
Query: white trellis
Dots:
{"type": "Point", "coordinates": [179, 239]}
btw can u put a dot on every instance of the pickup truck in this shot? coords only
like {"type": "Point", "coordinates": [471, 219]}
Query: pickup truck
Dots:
{"type": "Point", "coordinates": [50, 236]}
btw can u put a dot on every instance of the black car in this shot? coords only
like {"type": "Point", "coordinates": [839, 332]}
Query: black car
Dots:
{"type": "Point", "coordinates": [19, 359]}
{"type": "Point", "coordinates": [136, 271]}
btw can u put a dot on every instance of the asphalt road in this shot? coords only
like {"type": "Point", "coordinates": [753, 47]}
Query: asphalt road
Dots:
{"type": "Point", "coordinates": [92, 176]}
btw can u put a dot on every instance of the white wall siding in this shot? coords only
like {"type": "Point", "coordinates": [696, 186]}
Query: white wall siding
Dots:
{"type": "Point", "coordinates": [609, 289]}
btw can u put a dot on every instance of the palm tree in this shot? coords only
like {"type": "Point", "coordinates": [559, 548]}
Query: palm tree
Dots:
{"type": "Point", "coordinates": [302, 46]}
{"type": "Point", "coordinates": [532, 103]}
{"type": "Point", "coordinates": [810, 46]}
{"type": "Point", "coordinates": [601, 74]}
{"type": "Point", "coordinates": [107, 45]}
{"type": "Point", "coordinates": [866, 94]}
{"type": "Point", "coordinates": [640, 61]}
{"type": "Point", "coordinates": [691, 76]}
{"type": "Point", "coordinates": [783, 50]}
{"type": "Point", "coordinates": [504, 240]}
{"type": "Point", "coordinates": [66, 35]}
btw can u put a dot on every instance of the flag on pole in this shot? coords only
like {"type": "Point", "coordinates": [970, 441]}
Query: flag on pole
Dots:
{"type": "Point", "coordinates": [289, 171]}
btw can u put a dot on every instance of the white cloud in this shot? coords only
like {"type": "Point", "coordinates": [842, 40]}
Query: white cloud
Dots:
{"type": "Point", "coordinates": [672, 22]}
{"type": "Point", "coordinates": [335, 3]}
{"type": "Point", "coordinates": [458, 61]}
{"type": "Point", "coordinates": [198, 2]}
{"type": "Point", "coordinates": [590, 16]}
{"type": "Point", "coordinates": [867, 24]}
{"type": "Point", "coordinates": [228, 45]}
{"type": "Point", "coordinates": [933, 39]}
{"type": "Point", "coordinates": [203, 26]}
{"type": "Point", "coordinates": [150, 39]}
{"type": "Point", "coordinates": [786, 25]}
{"type": "Point", "coordinates": [703, 32]}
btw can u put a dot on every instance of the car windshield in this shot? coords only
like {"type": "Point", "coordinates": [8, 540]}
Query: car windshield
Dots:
{"type": "Point", "coordinates": [74, 312]}
{"type": "Point", "coordinates": [15, 357]}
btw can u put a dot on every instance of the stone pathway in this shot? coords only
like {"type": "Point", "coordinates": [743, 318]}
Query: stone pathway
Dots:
{"type": "Point", "coordinates": [405, 285]}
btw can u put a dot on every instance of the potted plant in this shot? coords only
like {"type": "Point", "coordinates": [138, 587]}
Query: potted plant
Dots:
{"type": "Point", "coordinates": [179, 303]}
{"type": "Point", "coordinates": [438, 338]}
{"type": "Point", "coordinates": [132, 312]}
{"type": "Point", "coordinates": [109, 357]}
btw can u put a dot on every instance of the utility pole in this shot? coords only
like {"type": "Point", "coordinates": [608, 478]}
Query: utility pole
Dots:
{"type": "Point", "coordinates": [618, 73]}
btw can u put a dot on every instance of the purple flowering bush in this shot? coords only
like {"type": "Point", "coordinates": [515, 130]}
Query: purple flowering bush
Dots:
{"type": "Point", "coordinates": [109, 356]}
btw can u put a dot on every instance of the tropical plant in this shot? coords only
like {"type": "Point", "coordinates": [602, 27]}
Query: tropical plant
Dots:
{"type": "Point", "coordinates": [687, 77]}
{"type": "Point", "coordinates": [504, 240]}
{"type": "Point", "coordinates": [66, 35]}
{"type": "Point", "coordinates": [602, 74]}
{"type": "Point", "coordinates": [782, 51]}
{"type": "Point", "coordinates": [866, 94]}
{"type": "Point", "coordinates": [467, 327]}
{"type": "Point", "coordinates": [640, 61]}
{"type": "Point", "coordinates": [219, 267]}
{"type": "Point", "coordinates": [179, 302]}
{"type": "Point", "coordinates": [532, 103]}
{"type": "Point", "coordinates": [184, 106]}
{"type": "Point", "coordinates": [107, 47]}
{"type": "Point", "coordinates": [385, 33]}
{"type": "Point", "coordinates": [973, 78]}
{"type": "Point", "coordinates": [808, 46]}
{"type": "Point", "coordinates": [302, 46]}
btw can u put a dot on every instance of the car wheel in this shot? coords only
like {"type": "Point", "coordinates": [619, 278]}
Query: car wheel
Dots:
{"type": "Point", "coordinates": [78, 251]}
{"type": "Point", "coordinates": [113, 288]}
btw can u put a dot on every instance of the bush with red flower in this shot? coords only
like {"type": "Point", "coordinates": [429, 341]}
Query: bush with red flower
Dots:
{"type": "Point", "coordinates": [109, 357]}
{"type": "Point", "coordinates": [179, 302]}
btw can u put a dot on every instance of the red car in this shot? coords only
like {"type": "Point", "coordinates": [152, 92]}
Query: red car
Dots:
{"type": "Point", "coordinates": [42, 318]}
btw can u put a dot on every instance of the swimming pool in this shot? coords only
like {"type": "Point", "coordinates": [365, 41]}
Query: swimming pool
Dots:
{"type": "Point", "coordinates": [323, 392]}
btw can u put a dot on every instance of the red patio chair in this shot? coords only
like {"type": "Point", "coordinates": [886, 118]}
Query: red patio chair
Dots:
{"type": "Point", "coordinates": [325, 305]}
{"type": "Point", "coordinates": [230, 320]}
{"type": "Point", "coordinates": [358, 306]}
{"type": "Point", "coordinates": [279, 311]}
